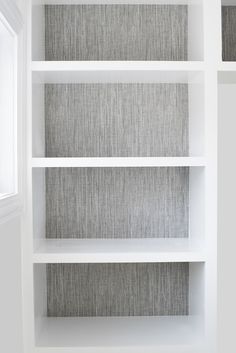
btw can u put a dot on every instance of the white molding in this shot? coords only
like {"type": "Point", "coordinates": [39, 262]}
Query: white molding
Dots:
{"type": "Point", "coordinates": [12, 14]}
{"type": "Point", "coordinates": [10, 207]}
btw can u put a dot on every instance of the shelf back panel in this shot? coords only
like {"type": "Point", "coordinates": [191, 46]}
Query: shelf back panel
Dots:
{"type": "Point", "coordinates": [229, 33]}
{"type": "Point", "coordinates": [116, 32]}
{"type": "Point", "coordinates": [90, 290]}
{"type": "Point", "coordinates": [117, 202]}
{"type": "Point", "coordinates": [116, 120]}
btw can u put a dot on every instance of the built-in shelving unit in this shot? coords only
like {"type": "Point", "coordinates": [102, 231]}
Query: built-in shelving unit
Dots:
{"type": "Point", "coordinates": [122, 170]}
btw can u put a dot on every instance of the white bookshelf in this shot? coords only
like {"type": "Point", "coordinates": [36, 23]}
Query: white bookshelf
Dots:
{"type": "Point", "coordinates": [193, 333]}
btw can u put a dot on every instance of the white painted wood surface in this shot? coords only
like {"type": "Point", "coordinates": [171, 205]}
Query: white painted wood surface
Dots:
{"type": "Point", "coordinates": [119, 162]}
{"type": "Point", "coordinates": [162, 335]}
{"type": "Point", "coordinates": [130, 250]}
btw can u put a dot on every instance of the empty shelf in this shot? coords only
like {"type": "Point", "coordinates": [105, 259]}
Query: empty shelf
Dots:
{"type": "Point", "coordinates": [172, 334]}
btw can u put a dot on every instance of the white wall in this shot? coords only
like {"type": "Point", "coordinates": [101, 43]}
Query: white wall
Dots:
{"type": "Point", "coordinates": [11, 338]}
{"type": "Point", "coordinates": [11, 323]}
{"type": "Point", "coordinates": [227, 218]}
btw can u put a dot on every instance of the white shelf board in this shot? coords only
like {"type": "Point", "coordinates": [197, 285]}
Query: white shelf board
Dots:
{"type": "Point", "coordinates": [98, 334]}
{"type": "Point", "coordinates": [116, 65]}
{"type": "Point", "coordinates": [119, 162]}
{"type": "Point", "coordinates": [75, 2]}
{"type": "Point", "coordinates": [116, 250]}
{"type": "Point", "coordinates": [227, 65]}
{"type": "Point", "coordinates": [117, 71]}
{"type": "Point", "coordinates": [227, 72]}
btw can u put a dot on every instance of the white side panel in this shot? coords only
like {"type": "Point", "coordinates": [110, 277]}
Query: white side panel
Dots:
{"type": "Point", "coordinates": [40, 297]}
{"type": "Point", "coordinates": [197, 205]}
{"type": "Point", "coordinates": [226, 223]}
{"type": "Point", "coordinates": [38, 120]}
{"type": "Point", "coordinates": [195, 30]}
{"type": "Point", "coordinates": [39, 205]}
{"type": "Point", "coordinates": [196, 118]}
{"type": "Point", "coordinates": [38, 33]}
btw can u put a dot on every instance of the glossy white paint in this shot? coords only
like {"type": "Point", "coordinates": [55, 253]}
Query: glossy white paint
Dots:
{"type": "Point", "coordinates": [162, 335]}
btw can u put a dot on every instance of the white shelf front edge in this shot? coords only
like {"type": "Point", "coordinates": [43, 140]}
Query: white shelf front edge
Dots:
{"type": "Point", "coordinates": [119, 162]}
{"type": "Point", "coordinates": [37, 66]}
{"type": "Point", "coordinates": [117, 250]}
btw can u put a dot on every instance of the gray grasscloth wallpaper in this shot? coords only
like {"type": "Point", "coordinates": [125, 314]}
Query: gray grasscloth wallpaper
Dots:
{"type": "Point", "coordinates": [117, 289]}
{"type": "Point", "coordinates": [88, 120]}
{"type": "Point", "coordinates": [116, 120]}
{"type": "Point", "coordinates": [229, 33]}
{"type": "Point", "coordinates": [117, 202]}
{"type": "Point", "coordinates": [116, 32]}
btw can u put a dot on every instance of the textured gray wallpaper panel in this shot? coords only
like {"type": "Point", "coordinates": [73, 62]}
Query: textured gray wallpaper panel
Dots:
{"type": "Point", "coordinates": [117, 202]}
{"type": "Point", "coordinates": [116, 120]}
{"type": "Point", "coordinates": [117, 289]}
{"type": "Point", "coordinates": [116, 32]}
{"type": "Point", "coordinates": [229, 33]}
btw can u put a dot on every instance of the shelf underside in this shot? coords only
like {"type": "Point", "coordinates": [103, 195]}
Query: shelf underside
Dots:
{"type": "Point", "coordinates": [104, 333]}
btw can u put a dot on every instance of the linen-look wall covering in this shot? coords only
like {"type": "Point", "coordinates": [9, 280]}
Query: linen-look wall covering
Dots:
{"type": "Point", "coordinates": [117, 289]}
{"type": "Point", "coordinates": [229, 33]}
{"type": "Point", "coordinates": [116, 120]}
{"type": "Point", "coordinates": [116, 32]}
{"type": "Point", "coordinates": [117, 202]}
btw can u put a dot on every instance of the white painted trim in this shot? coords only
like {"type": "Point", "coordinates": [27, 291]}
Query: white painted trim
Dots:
{"type": "Point", "coordinates": [12, 15]}
{"type": "Point", "coordinates": [11, 204]}
{"type": "Point", "coordinates": [10, 207]}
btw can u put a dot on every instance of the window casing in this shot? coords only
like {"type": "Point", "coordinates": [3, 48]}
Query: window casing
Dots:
{"type": "Point", "coordinates": [8, 110]}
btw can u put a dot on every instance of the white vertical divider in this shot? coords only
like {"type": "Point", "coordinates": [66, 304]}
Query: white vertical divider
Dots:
{"type": "Point", "coordinates": [195, 30]}
{"type": "Point", "coordinates": [212, 53]}
{"type": "Point", "coordinates": [38, 32]}
{"type": "Point", "coordinates": [27, 223]}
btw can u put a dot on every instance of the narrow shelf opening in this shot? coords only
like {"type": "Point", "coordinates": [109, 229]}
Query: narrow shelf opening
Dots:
{"type": "Point", "coordinates": [118, 203]}
{"type": "Point", "coordinates": [118, 114]}
{"type": "Point", "coordinates": [79, 304]}
{"type": "Point", "coordinates": [85, 31]}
